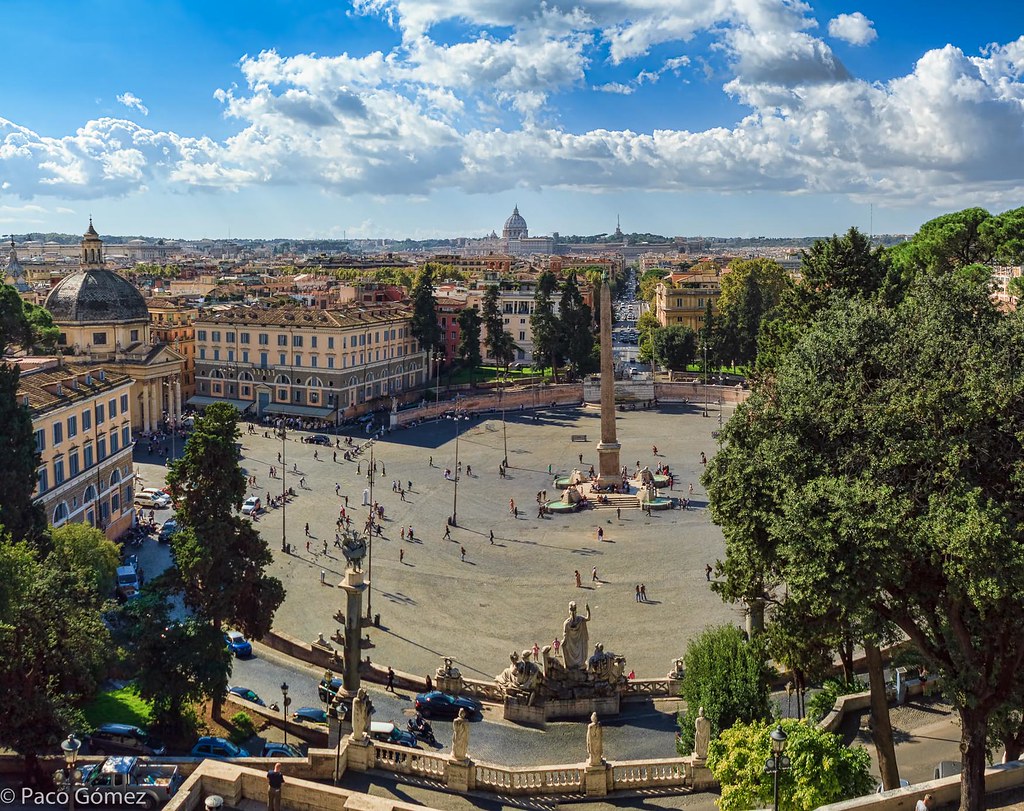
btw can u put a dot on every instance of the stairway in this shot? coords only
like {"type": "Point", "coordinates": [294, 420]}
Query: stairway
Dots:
{"type": "Point", "coordinates": [615, 500]}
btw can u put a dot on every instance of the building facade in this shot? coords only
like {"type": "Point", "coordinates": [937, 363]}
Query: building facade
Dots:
{"type": "Point", "coordinates": [294, 361]}
{"type": "Point", "coordinates": [173, 323]}
{"type": "Point", "coordinates": [82, 417]}
{"type": "Point", "coordinates": [681, 298]}
{"type": "Point", "coordinates": [516, 302]}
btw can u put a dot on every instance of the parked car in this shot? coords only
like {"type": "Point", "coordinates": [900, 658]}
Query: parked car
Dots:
{"type": "Point", "coordinates": [311, 715]}
{"type": "Point", "coordinates": [388, 732]}
{"type": "Point", "coordinates": [247, 694]}
{"type": "Point", "coordinates": [251, 506]}
{"type": "Point", "coordinates": [319, 439]}
{"type": "Point", "coordinates": [128, 582]}
{"type": "Point", "coordinates": [217, 748]}
{"type": "Point", "coordinates": [275, 749]}
{"type": "Point", "coordinates": [146, 501]}
{"type": "Point", "coordinates": [238, 644]}
{"type": "Point", "coordinates": [444, 704]}
{"type": "Point", "coordinates": [123, 739]}
{"type": "Point", "coordinates": [327, 690]}
{"type": "Point", "coordinates": [159, 496]}
{"type": "Point", "coordinates": [138, 783]}
{"type": "Point", "coordinates": [170, 526]}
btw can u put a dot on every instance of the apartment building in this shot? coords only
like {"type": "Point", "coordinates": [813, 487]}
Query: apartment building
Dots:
{"type": "Point", "coordinates": [295, 361]}
{"type": "Point", "coordinates": [516, 303]}
{"type": "Point", "coordinates": [172, 322]}
{"type": "Point", "coordinates": [82, 418]}
{"type": "Point", "coordinates": [682, 297]}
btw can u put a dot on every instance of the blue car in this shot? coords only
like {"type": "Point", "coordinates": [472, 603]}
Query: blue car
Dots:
{"type": "Point", "coordinates": [238, 644]}
{"type": "Point", "coordinates": [443, 704]}
{"type": "Point", "coordinates": [217, 748]}
{"type": "Point", "coordinates": [311, 715]}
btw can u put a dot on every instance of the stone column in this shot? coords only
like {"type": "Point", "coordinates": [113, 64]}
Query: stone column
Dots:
{"type": "Point", "coordinates": [177, 397]}
{"type": "Point", "coordinates": [353, 585]}
{"type": "Point", "coordinates": [608, 448]}
{"type": "Point", "coordinates": [144, 407]}
{"type": "Point", "coordinates": [154, 404]}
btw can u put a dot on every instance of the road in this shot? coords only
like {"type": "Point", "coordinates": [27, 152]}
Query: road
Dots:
{"type": "Point", "coordinates": [641, 731]}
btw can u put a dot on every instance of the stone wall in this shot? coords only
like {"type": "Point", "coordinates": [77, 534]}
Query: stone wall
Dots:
{"type": "Point", "coordinates": [475, 402]}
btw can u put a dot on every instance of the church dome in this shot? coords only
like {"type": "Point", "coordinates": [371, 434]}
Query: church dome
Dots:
{"type": "Point", "coordinates": [96, 297]}
{"type": "Point", "coordinates": [515, 226]}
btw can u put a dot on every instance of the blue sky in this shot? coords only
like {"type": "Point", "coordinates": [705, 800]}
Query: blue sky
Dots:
{"type": "Point", "coordinates": [434, 117]}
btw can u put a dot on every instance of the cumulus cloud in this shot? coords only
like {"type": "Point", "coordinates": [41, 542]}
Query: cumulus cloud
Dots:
{"type": "Point", "coordinates": [130, 100]}
{"type": "Point", "coordinates": [482, 113]}
{"type": "Point", "coordinates": [856, 29]}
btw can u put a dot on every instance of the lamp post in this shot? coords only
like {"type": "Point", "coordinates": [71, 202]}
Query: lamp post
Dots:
{"type": "Point", "coordinates": [67, 777]}
{"type": "Point", "coordinates": [371, 474]}
{"type": "Point", "coordinates": [438, 357]}
{"type": "Point", "coordinates": [504, 433]}
{"type": "Point", "coordinates": [455, 497]}
{"type": "Point", "coordinates": [171, 419]}
{"type": "Point", "coordinates": [284, 493]}
{"type": "Point", "coordinates": [705, 378]}
{"type": "Point", "coordinates": [285, 701]}
{"type": "Point", "coordinates": [777, 762]}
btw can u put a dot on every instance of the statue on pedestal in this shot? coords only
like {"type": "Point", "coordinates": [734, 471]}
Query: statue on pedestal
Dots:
{"type": "Point", "coordinates": [701, 737]}
{"type": "Point", "coordinates": [575, 639]}
{"type": "Point", "coordinates": [360, 715]}
{"type": "Point", "coordinates": [595, 742]}
{"type": "Point", "coordinates": [460, 736]}
{"type": "Point", "coordinates": [606, 667]}
{"type": "Point", "coordinates": [448, 670]}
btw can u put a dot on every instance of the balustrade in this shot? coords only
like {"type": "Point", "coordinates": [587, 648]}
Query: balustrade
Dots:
{"type": "Point", "coordinates": [648, 773]}
{"type": "Point", "coordinates": [543, 780]}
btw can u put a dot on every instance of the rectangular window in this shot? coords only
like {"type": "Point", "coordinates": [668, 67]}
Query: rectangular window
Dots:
{"type": "Point", "coordinates": [133, 335]}
{"type": "Point", "coordinates": [86, 420]}
{"type": "Point", "coordinates": [264, 339]}
{"type": "Point", "coordinates": [312, 341]}
{"type": "Point", "coordinates": [215, 336]}
{"type": "Point", "coordinates": [58, 472]}
{"type": "Point", "coordinates": [298, 360]}
{"type": "Point", "coordinates": [126, 436]}
{"type": "Point", "coordinates": [87, 459]}
{"type": "Point", "coordinates": [229, 337]}
{"type": "Point", "coordinates": [216, 353]}
{"type": "Point", "coordinates": [200, 334]}
{"type": "Point", "coordinates": [245, 356]}
{"type": "Point", "coordinates": [330, 361]}
{"type": "Point", "coordinates": [72, 426]}
{"type": "Point", "coordinates": [101, 448]}
{"type": "Point", "coordinates": [41, 440]}
{"type": "Point", "coordinates": [202, 353]}
{"type": "Point", "coordinates": [44, 480]}
{"type": "Point", "coordinates": [58, 433]}
{"type": "Point", "coordinates": [115, 501]}
{"type": "Point", "coordinates": [231, 356]}
{"type": "Point", "coordinates": [99, 339]}
{"type": "Point", "coordinates": [296, 340]}
{"type": "Point", "coordinates": [330, 342]}
{"type": "Point", "coordinates": [312, 361]}
{"type": "Point", "coordinates": [282, 340]}
{"type": "Point", "coordinates": [73, 464]}
{"type": "Point", "coordinates": [263, 360]}
{"type": "Point", "coordinates": [112, 407]}
{"type": "Point", "coordinates": [124, 403]}
{"type": "Point", "coordinates": [113, 442]}
{"type": "Point", "coordinates": [243, 337]}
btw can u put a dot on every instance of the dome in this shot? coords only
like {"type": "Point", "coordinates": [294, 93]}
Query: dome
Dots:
{"type": "Point", "coordinates": [96, 297]}
{"type": "Point", "coordinates": [515, 226]}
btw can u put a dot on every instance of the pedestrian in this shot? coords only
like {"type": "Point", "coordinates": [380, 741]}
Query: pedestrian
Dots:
{"type": "Point", "coordinates": [402, 494]}
{"type": "Point", "coordinates": [408, 485]}
{"type": "Point", "coordinates": [307, 546]}
{"type": "Point", "coordinates": [325, 547]}
{"type": "Point", "coordinates": [492, 536]}
{"type": "Point", "coordinates": [643, 593]}
{"type": "Point", "coordinates": [279, 457]}
{"type": "Point", "coordinates": [390, 686]}
{"type": "Point", "coordinates": [410, 533]}
{"type": "Point", "coordinates": [618, 513]}
{"type": "Point", "coordinates": [579, 583]}
{"type": "Point", "coordinates": [707, 572]}
{"type": "Point", "coordinates": [501, 471]}
{"type": "Point", "coordinates": [536, 652]}
{"type": "Point", "coordinates": [274, 782]}
{"type": "Point", "coordinates": [401, 552]}
{"type": "Point", "coordinates": [403, 533]}
{"type": "Point", "coordinates": [323, 577]}
{"type": "Point", "coordinates": [359, 468]}
{"type": "Point", "coordinates": [581, 460]}
{"type": "Point", "coordinates": [511, 506]}
{"type": "Point", "coordinates": [337, 489]}
{"type": "Point", "coordinates": [703, 458]}
{"type": "Point", "coordinates": [431, 461]}
{"type": "Point", "coordinates": [469, 470]}
{"type": "Point", "coordinates": [337, 541]}
{"type": "Point", "coordinates": [383, 470]}
{"type": "Point", "coordinates": [924, 804]}
{"type": "Point", "coordinates": [600, 534]}
{"type": "Point", "coordinates": [462, 549]}
{"type": "Point", "coordinates": [593, 575]}
{"type": "Point", "coordinates": [316, 456]}
{"type": "Point", "coordinates": [549, 470]}
{"type": "Point", "coordinates": [335, 456]}
{"type": "Point", "coordinates": [447, 532]}
{"type": "Point", "coordinates": [691, 488]}
{"type": "Point", "coordinates": [307, 531]}
{"type": "Point", "coordinates": [515, 511]}
{"type": "Point", "coordinates": [637, 592]}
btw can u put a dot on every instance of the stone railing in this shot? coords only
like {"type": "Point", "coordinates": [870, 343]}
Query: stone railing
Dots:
{"type": "Point", "coordinates": [655, 688]}
{"type": "Point", "coordinates": [535, 780]}
{"type": "Point", "coordinates": [482, 691]}
{"type": "Point", "coordinates": [629, 774]}
{"type": "Point", "coordinates": [403, 760]}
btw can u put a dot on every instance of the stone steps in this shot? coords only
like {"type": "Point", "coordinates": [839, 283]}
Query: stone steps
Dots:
{"type": "Point", "coordinates": [616, 500]}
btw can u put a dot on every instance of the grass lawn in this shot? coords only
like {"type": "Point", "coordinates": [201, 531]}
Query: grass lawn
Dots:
{"type": "Point", "coordinates": [483, 374]}
{"type": "Point", "coordinates": [123, 706]}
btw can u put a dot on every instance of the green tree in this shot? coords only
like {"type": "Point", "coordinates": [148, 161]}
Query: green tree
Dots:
{"type": "Point", "coordinates": [87, 550]}
{"type": "Point", "coordinates": [675, 346]}
{"type": "Point", "coordinates": [221, 558]}
{"type": "Point", "coordinates": [751, 292]}
{"type": "Point", "coordinates": [577, 333]}
{"type": "Point", "coordinates": [424, 325]}
{"type": "Point", "coordinates": [728, 677]}
{"type": "Point", "coordinates": [15, 329]}
{"type": "Point", "coordinates": [44, 333]}
{"type": "Point", "coordinates": [505, 350]}
{"type": "Point", "coordinates": [547, 335]}
{"type": "Point", "coordinates": [494, 326]}
{"type": "Point", "coordinates": [893, 439]}
{"type": "Point", "coordinates": [823, 770]}
{"type": "Point", "coordinates": [19, 514]}
{"type": "Point", "coordinates": [469, 338]}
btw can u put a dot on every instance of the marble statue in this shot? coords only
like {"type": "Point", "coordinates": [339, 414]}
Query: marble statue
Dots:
{"type": "Point", "coordinates": [678, 670]}
{"type": "Point", "coordinates": [570, 495]}
{"type": "Point", "coordinates": [606, 667]}
{"type": "Point", "coordinates": [530, 676]}
{"type": "Point", "coordinates": [354, 550]}
{"type": "Point", "coordinates": [448, 670]}
{"type": "Point", "coordinates": [648, 492]}
{"type": "Point", "coordinates": [360, 715]}
{"type": "Point", "coordinates": [595, 742]}
{"type": "Point", "coordinates": [460, 736]}
{"type": "Point", "coordinates": [576, 477]}
{"type": "Point", "coordinates": [575, 639]}
{"type": "Point", "coordinates": [701, 737]}
{"type": "Point", "coordinates": [508, 677]}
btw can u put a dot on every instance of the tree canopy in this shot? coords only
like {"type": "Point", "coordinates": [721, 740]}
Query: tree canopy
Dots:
{"type": "Point", "coordinates": [424, 325]}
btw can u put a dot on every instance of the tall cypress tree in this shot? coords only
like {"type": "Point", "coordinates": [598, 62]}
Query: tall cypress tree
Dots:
{"type": "Point", "coordinates": [493, 324]}
{"type": "Point", "coordinates": [547, 337]}
{"type": "Point", "coordinates": [424, 324]}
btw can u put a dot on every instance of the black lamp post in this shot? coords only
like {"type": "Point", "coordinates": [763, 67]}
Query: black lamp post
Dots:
{"type": "Point", "coordinates": [371, 474]}
{"type": "Point", "coordinates": [455, 497]}
{"type": "Point", "coordinates": [284, 492]}
{"type": "Point", "coordinates": [284, 708]}
{"type": "Point", "coordinates": [705, 378]}
{"type": "Point", "coordinates": [504, 433]}
{"type": "Point", "coordinates": [68, 776]}
{"type": "Point", "coordinates": [777, 762]}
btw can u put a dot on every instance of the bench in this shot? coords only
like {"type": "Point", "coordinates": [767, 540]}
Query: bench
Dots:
{"type": "Point", "coordinates": [579, 437]}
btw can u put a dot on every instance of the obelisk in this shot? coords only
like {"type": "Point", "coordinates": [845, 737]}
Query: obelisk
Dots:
{"type": "Point", "coordinates": [608, 448]}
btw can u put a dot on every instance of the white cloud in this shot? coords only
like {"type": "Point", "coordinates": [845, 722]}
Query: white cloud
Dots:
{"type": "Point", "coordinates": [130, 100]}
{"type": "Point", "coordinates": [856, 29]}
{"type": "Point", "coordinates": [616, 87]}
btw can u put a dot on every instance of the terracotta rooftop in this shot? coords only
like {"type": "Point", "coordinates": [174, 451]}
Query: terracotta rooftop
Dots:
{"type": "Point", "coordinates": [354, 316]}
{"type": "Point", "coordinates": [56, 386]}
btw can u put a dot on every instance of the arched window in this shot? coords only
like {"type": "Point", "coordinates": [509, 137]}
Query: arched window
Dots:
{"type": "Point", "coordinates": [217, 374]}
{"type": "Point", "coordinates": [315, 383]}
{"type": "Point", "coordinates": [245, 376]}
{"type": "Point", "coordinates": [282, 380]}
{"type": "Point", "coordinates": [90, 494]}
{"type": "Point", "coordinates": [115, 477]}
{"type": "Point", "coordinates": [60, 514]}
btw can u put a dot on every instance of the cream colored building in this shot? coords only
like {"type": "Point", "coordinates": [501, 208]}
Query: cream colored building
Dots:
{"type": "Point", "coordinates": [82, 417]}
{"type": "Point", "coordinates": [305, 362]}
{"type": "Point", "coordinates": [103, 319]}
{"type": "Point", "coordinates": [681, 298]}
{"type": "Point", "coordinates": [173, 323]}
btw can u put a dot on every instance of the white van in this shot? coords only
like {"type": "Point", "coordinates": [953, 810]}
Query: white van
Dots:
{"type": "Point", "coordinates": [146, 501]}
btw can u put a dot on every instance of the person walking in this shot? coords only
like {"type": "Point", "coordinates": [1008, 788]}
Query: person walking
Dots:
{"type": "Point", "coordinates": [274, 782]}
{"type": "Point", "coordinates": [337, 489]}
{"type": "Point", "coordinates": [707, 572]}
{"type": "Point", "coordinates": [307, 546]}
{"type": "Point", "coordinates": [431, 461]}
{"type": "Point", "coordinates": [618, 513]}
{"type": "Point", "coordinates": [390, 686]}
{"type": "Point", "coordinates": [325, 547]}
{"type": "Point", "coordinates": [469, 470]}
{"type": "Point", "coordinates": [691, 488]}
{"type": "Point", "coordinates": [447, 532]}
{"type": "Point", "coordinates": [581, 460]}
{"type": "Point", "coordinates": [600, 534]}
{"type": "Point", "coordinates": [335, 456]}
{"type": "Point", "coordinates": [579, 582]}
{"type": "Point", "coordinates": [492, 537]}
{"type": "Point", "coordinates": [307, 531]}
{"type": "Point", "coordinates": [637, 598]}
{"type": "Point", "coordinates": [401, 554]}
{"type": "Point", "coordinates": [403, 533]}
{"type": "Point", "coordinates": [462, 549]}
{"type": "Point", "coordinates": [593, 575]}
{"type": "Point", "coordinates": [511, 506]}
{"type": "Point", "coordinates": [643, 593]}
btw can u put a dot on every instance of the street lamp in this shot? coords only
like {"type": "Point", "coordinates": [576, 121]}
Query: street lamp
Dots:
{"type": "Point", "coordinates": [371, 474]}
{"type": "Point", "coordinates": [67, 777]}
{"type": "Point", "coordinates": [705, 378]}
{"type": "Point", "coordinates": [777, 762]}
{"type": "Point", "coordinates": [284, 493]}
{"type": "Point", "coordinates": [790, 688]}
{"type": "Point", "coordinates": [284, 709]}
{"type": "Point", "coordinates": [438, 357]}
{"type": "Point", "coordinates": [504, 433]}
{"type": "Point", "coordinates": [455, 498]}
{"type": "Point", "coordinates": [171, 419]}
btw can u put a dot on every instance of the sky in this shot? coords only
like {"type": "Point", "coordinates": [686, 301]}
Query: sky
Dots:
{"type": "Point", "coordinates": [433, 118]}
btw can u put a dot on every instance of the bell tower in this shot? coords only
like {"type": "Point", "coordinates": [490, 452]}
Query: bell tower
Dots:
{"type": "Point", "coordinates": [92, 249]}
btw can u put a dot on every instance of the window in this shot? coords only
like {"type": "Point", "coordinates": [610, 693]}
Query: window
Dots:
{"type": "Point", "coordinates": [312, 341]}
{"type": "Point", "coordinates": [296, 340]}
{"type": "Point", "coordinates": [283, 359]}
{"type": "Point", "coordinates": [112, 407]}
{"type": "Point", "coordinates": [229, 337]}
{"type": "Point", "coordinates": [113, 442]}
{"type": "Point", "coordinates": [58, 433]}
{"type": "Point", "coordinates": [73, 464]}
{"type": "Point", "coordinates": [133, 335]}
{"type": "Point", "coordinates": [215, 336]}
{"type": "Point", "coordinates": [58, 471]}
{"type": "Point", "coordinates": [126, 435]}
{"type": "Point", "coordinates": [231, 356]}
{"type": "Point", "coordinates": [101, 448]}
{"type": "Point", "coordinates": [522, 335]}
{"type": "Point", "coordinates": [200, 334]}
{"type": "Point", "coordinates": [115, 502]}
{"type": "Point", "coordinates": [43, 480]}
{"type": "Point", "coordinates": [330, 361]}
{"type": "Point", "coordinates": [282, 340]}
{"type": "Point", "coordinates": [86, 420]}
{"type": "Point", "coordinates": [243, 337]}
{"type": "Point", "coordinates": [264, 339]}
{"type": "Point", "coordinates": [263, 360]}
{"type": "Point", "coordinates": [60, 514]}
{"type": "Point", "coordinates": [41, 440]}
{"type": "Point", "coordinates": [282, 394]}
{"type": "Point", "coordinates": [245, 356]}
{"type": "Point", "coordinates": [298, 360]}
{"type": "Point", "coordinates": [99, 339]}
{"type": "Point", "coordinates": [99, 414]}
{"type": "Point", "coordinates": [216, 353]}
{"type": "Point", "coordinates": [87, 459]}
{"type": "Point", "coordinates": [330, 342]}
{"type": "Point", "coordinates": [202, 353]}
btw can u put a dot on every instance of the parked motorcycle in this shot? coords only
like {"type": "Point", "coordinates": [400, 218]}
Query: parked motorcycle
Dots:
{"type": "Point", "coordinates": [420, 727]}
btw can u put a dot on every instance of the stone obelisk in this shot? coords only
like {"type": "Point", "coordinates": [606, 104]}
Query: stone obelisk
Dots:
{"type": "Point", "coordinates": [608, 448]}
